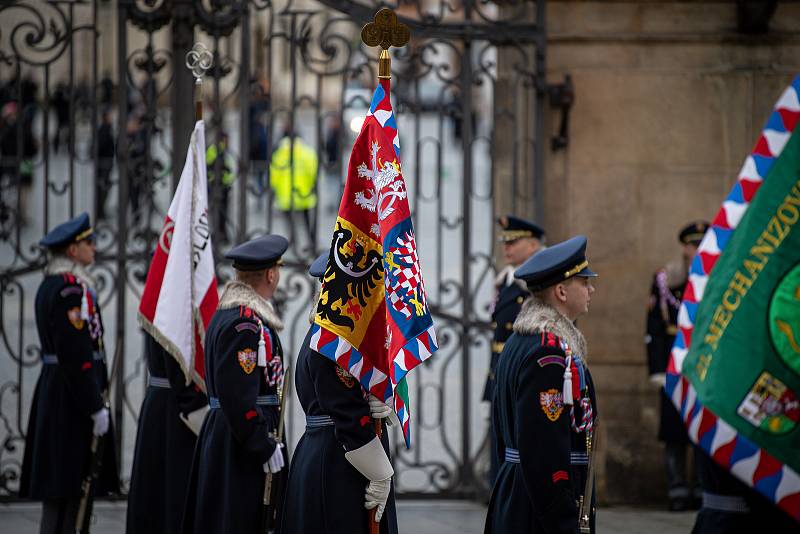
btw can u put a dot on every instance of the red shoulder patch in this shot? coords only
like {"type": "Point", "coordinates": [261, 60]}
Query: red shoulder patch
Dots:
{"type": "Point", "coordinates": [86, 366]}
{"type": "Point", "coordinates": [552, 340]}
{"type": "Point", "coordinates": [549, 339]}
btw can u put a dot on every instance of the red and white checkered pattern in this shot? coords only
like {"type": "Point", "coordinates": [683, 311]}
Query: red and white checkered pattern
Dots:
{"type": "Point", "coordinates": [405, 278]}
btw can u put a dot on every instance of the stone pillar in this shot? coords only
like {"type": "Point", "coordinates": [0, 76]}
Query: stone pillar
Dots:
{"type": "Point", "coordinates": [669, 101]}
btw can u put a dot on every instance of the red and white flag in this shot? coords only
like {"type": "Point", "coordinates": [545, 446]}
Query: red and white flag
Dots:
{"type": "Point", "coordinates": [180, 294]}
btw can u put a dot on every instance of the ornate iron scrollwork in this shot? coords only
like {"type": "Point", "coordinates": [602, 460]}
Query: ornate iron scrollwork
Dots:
{"type": "Point", "coordinates": [279, 66]}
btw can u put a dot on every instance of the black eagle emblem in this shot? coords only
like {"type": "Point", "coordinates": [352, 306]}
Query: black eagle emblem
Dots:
{"type": "Point", "coordinates": [349, 279]}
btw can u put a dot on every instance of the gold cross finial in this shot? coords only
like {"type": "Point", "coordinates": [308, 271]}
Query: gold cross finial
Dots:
{"type": "Point", "coordinates": [385, 31]}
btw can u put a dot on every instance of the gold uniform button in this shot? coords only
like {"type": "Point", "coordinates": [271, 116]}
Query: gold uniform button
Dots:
{"type": "Point", "coordinates": [509, 326]}
{"type": "Point", "coordinates": [494, 324]}
{"type": "Point", "coordinates": [519, 300]}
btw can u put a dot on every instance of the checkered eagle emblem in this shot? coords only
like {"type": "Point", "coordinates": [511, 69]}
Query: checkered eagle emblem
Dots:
{"type": "Point", "coordinates": [404, 288]}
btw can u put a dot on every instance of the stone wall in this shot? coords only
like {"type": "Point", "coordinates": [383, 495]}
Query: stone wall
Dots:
{"type": "Point", "coordinates": [669, 100]}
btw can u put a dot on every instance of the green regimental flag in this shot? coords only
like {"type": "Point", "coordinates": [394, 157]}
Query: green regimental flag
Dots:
{"type": "Point", "coordinates": [735, 367]}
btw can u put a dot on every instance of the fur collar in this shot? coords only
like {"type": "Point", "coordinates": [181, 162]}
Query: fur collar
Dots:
{"type": "Point", "coordinates": [313, 313]}
{"type": "Point", "coordinates": [506, 277]}
{"type": "Point", "coordinates": [536, 317]}
{"type": "Point", "coordinates": [676, 274]}
{"type": "Point", "coordinates": [240, 294]}
{"type": "Point", "coordinates": [62, 264]}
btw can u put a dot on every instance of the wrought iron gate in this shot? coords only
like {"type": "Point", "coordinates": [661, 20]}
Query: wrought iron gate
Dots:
{"type": "Point", "coordinates": [469, 94]}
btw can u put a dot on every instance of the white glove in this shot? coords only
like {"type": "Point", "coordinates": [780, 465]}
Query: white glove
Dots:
{"type": "Point", "coordinates": [194, 420]}
{"type": "Point", "coordinates": [658, 379]}
{"type": "Point", "coordinates": [371, 461]}
{"type": "Point", "coordinates": [101, 419]}
{"type": "Point", "coordinates": [380, 410]}
{"type": "Point", "coordinates": [275, 462]}
{"type": "Point", "coordinates": [377, 495]}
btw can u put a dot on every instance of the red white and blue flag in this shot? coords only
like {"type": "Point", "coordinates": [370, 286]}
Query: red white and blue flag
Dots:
{"type": "Point", "coordinates": [372, 315]}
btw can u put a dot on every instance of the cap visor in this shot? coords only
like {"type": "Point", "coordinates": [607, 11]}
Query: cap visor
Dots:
{"type": "Point", "coordinates": [587, 273]}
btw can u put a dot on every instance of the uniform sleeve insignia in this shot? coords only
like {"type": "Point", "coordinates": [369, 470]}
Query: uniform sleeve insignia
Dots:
{"type": "Point", "coordinates": [71, 290]}
{"type": "Point", "coordinates": [553, 359]}
{"type": "Point", "coordinates": [247, 325]}
{"type": "Point", "coordinates": [247, 359]}
{"type": "Point", "coordinates": [74, 316]}
{"type": "Point", "coordinates": [346, 378]}
{"type": "Point", "coordinates": [552, 403]}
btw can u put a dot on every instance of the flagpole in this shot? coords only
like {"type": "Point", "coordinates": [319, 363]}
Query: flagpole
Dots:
{"type": "Point", "coordinates": [384, 31]}
{"type": "Point", "coordinates": [198, 60]}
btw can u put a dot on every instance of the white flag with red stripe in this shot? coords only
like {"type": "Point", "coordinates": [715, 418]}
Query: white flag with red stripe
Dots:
{"type": "Point", "coordinates": [180, 294]}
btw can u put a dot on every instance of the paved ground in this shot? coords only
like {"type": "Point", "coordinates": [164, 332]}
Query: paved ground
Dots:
{"type": "Point", "coordinates": [417, 517]}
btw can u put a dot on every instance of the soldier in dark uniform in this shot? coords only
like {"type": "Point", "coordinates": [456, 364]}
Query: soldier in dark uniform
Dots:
{"type": "Point", "coordinates": [521, 240]}
{"type": "Point", "coordinates": [666, 292]}
{"type": "Point", "coordinates": [339, 455]}
{"type": "Point", "coordinates": [68, 404]}
{"type": "Point", "coordinates": [544, 406]}
{"type": "Point", "coordinates": [237, 445]}
{"type": "Point", "coordinates": [169, 422]}
{"type": "Point", "coordinates": [731, 507]}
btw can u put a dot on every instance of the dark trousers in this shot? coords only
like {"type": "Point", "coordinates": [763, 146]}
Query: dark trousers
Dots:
{"type": "Point", "coordinates": [679, 486]}
{"type": "Point", "coordinates": [309, 226]}
{"type": "Point", "coordinates": [58, 516]}
{"type": "Point", "coordinates": [494, 461]}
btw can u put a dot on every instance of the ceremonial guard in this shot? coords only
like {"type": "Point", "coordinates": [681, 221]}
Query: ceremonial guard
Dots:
{"type": "Point", "coordinates": [521, 239]}
{"type": "Point", "coordinates": [340, 467]}
{"type": "Point", "coordinates": [69, 403]}
{"type": "Point", "coordinates": [666, 292]}
{"type": "Point", "coordinates": [544, 405]}
{"type": "Point", "coordinates": [731, 507]}
{"type": "Point", "coordinates": [238, 443]}
{"type": "Point", "coordinates": [170, 419]}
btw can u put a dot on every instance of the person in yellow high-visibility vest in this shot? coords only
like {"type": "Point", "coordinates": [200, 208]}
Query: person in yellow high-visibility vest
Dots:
{"type": "Point", "coordinates": [219, 190]}
{"type": "Point", "coordinates": [293, 179]}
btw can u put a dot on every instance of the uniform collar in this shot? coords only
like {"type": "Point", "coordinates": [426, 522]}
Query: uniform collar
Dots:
{"type": "Point", "coordinates": [536, 317]}
{"type": "Point", "coordinates": [61, 264]}
{"type": "Point", "coordinates": [506, 277]}
{"type": "Point", "coordinates": [240, 294]}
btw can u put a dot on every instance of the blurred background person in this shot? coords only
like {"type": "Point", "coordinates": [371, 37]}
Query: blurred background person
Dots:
{"type": "Point", "coordinates": [521, 239]}
{"type": "Point", "coordinates": [293, 179]}
{"type": "Point", "coordinates": [16, 156]}
{"type": "Point", "coordinates": [666, 292]}
{"type": "Point", "coordinates": [106, 148]}
{"type": "Point", "coordinates": [219, 160]}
